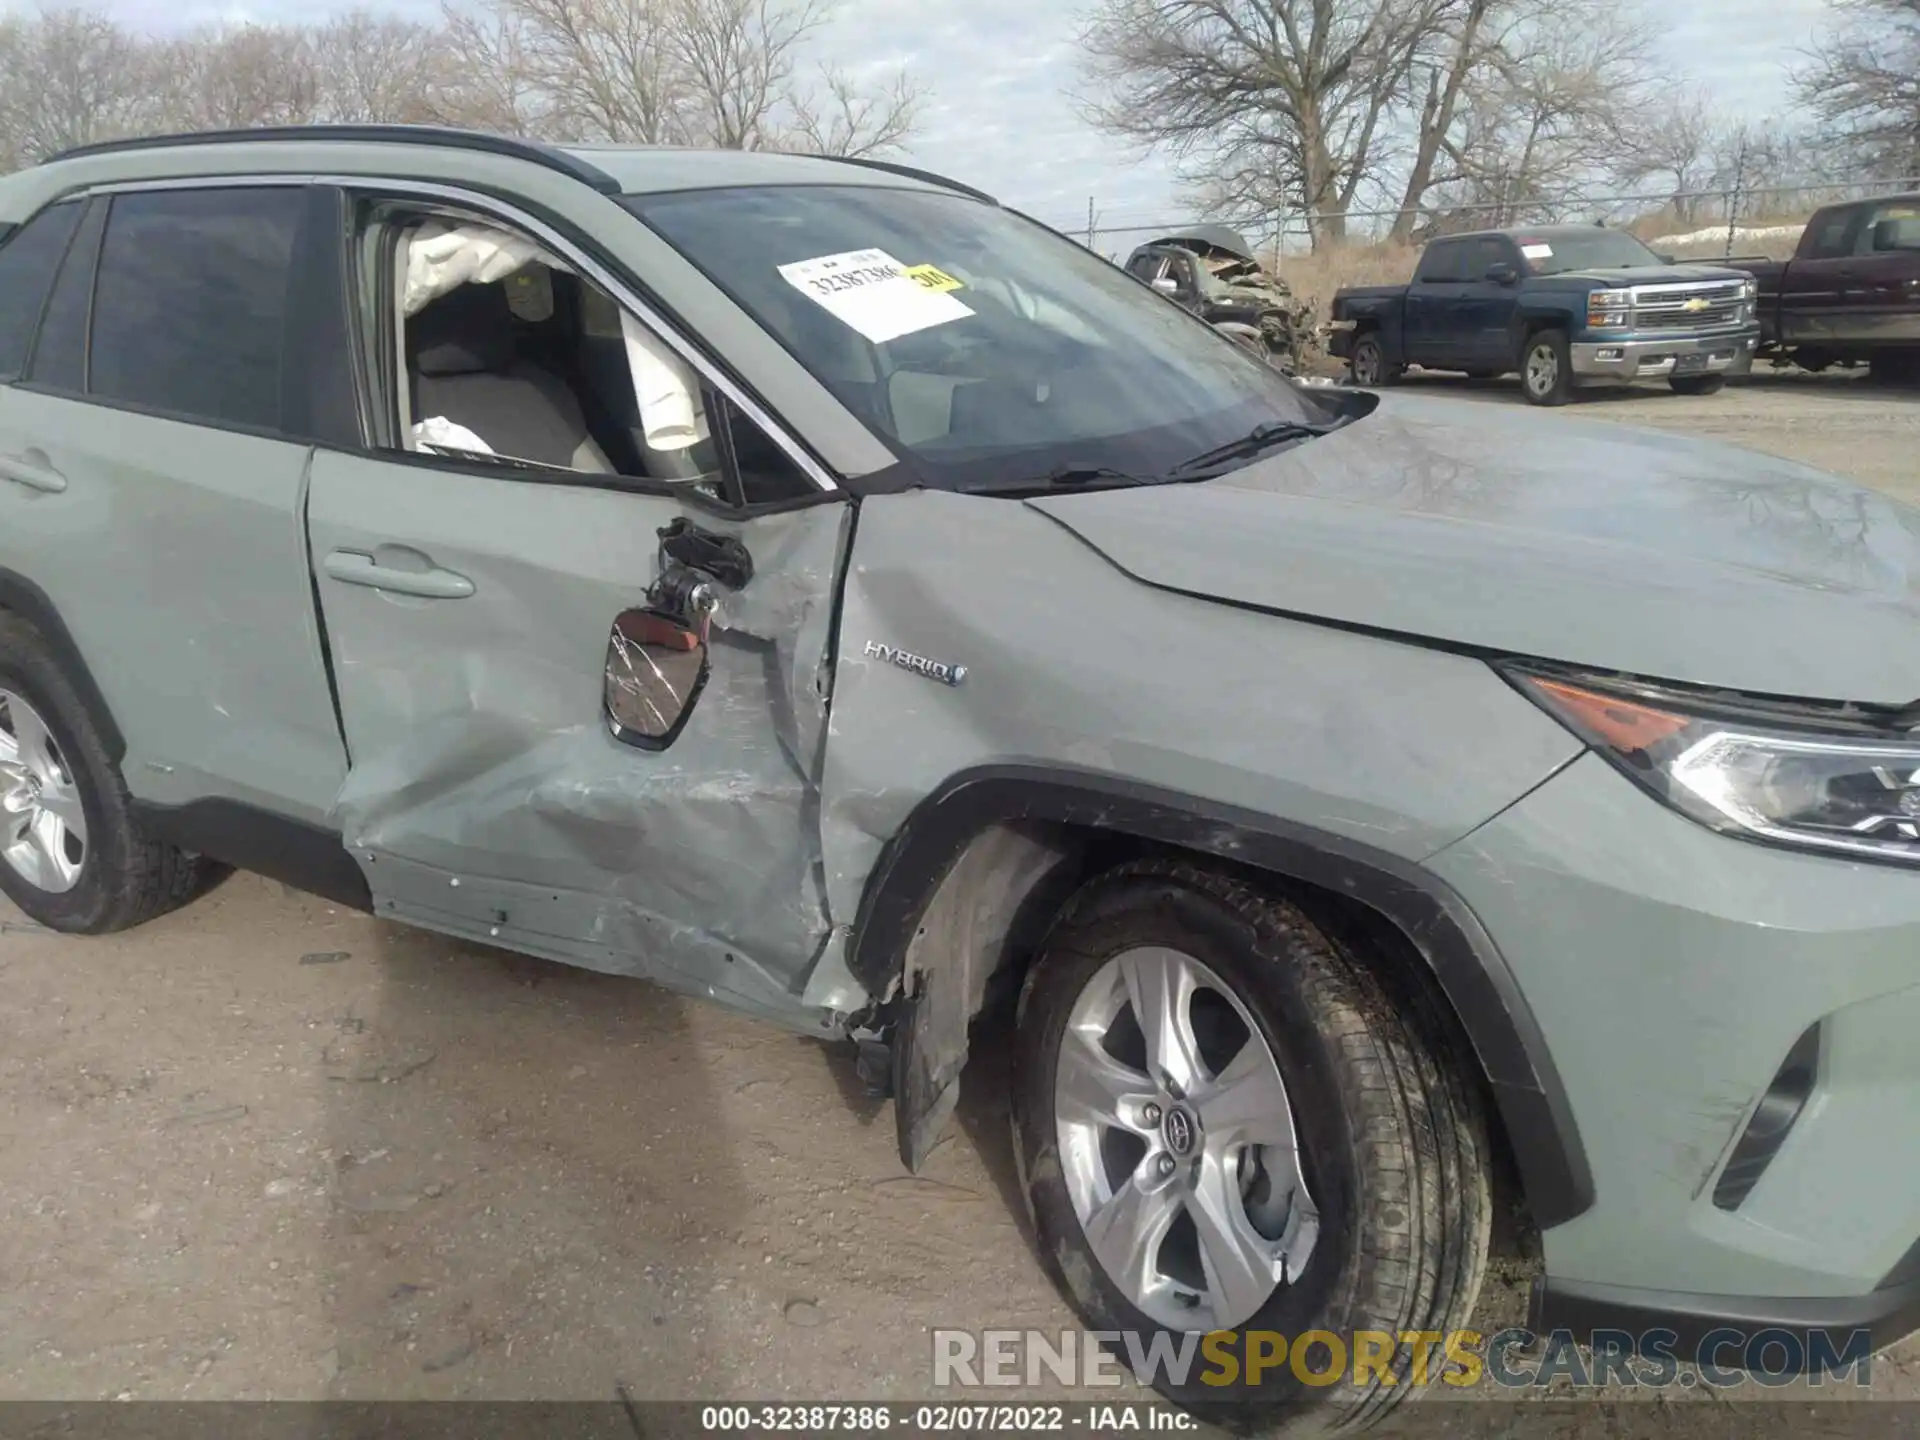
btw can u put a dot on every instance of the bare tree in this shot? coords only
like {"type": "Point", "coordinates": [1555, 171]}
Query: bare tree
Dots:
{"type": "Point", "coordinates": [1674, 143]}
{"type": "Point", "coordinates": [491, 82]}
{"type": "Point", "coordinates": [736, 58]}
{"type": "Point", "coordinates": [675, 72]}
{"type": "Point", "coordinates": [380, 70]}
{"type": "Point", "coordinates": [716, 72]}
{"type": "Point", "coordinates": [1445, 67]}
{"type": "Point", "coordinates": [1863, 83]}
{"type": "Point", "coordinates": [839, 118]}
{"type": "Point", "coordinates": [1265, 104]}
{"type": "Point", "coordinates": [602, 69]}
{"type": "Point", "coordinates": [226, 78]}
{"type": "Point", "coordinates": [67, 77]}
{"type": "Point", "coordinates": [1543, 125]}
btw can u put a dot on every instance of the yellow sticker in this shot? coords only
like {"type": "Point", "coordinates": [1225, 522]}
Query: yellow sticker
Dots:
{"type": "Point", "coordinates": [932, 277]}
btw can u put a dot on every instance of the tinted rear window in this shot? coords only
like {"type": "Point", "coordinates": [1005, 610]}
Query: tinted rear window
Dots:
{"type": "Point", "coordinates": [27, 263]}
{"type": "Point", "coordinates": [189, 310]}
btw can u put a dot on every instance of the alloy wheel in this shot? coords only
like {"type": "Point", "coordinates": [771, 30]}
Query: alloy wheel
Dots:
{"type": "Point", "coordinates": [1366, 364]}
{"type": "Point", "coordinates": [1177, 1143]}
{"type": "Point", "coordinates": [1543, 369]}
{"type": "Point", "coordinates": [43, 824]}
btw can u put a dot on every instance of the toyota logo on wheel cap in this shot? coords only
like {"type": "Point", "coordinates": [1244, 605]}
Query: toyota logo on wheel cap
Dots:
{"type": "Point", "coordinates": [1178, 1129]}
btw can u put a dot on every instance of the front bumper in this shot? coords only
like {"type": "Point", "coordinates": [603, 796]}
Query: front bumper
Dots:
{"type": "Point", "coordinates": [1671, 970]}
{"type": "Point", "coordinates": [1658, 357]}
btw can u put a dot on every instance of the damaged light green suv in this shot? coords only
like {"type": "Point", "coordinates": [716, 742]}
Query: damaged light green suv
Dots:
{"type": "Point", "coordinates": [812, 586]}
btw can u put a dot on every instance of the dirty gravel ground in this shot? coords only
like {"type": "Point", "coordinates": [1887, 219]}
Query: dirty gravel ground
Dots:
{"type": "Point", "coordinates": [269, 1148]}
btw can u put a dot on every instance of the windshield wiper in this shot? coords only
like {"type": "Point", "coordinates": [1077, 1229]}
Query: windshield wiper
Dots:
{"type": "Point", "coordinates": [1067, 476]}
{"type": "Point", "coordinates": [1261, 437]}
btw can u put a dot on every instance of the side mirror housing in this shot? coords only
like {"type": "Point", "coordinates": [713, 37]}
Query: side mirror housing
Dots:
{"type": "Point", "coordinates": [1167, 285]}
{"type": "Point", "coordinates": [1664, 258]}
{"type": "Point", "coordinates": [1503, 273]}
{"type": "Point", "coordinates": [656, 668]}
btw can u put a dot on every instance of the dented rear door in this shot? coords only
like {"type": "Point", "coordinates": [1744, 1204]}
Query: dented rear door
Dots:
{"type": "Point", "coordinates": [486, 797]}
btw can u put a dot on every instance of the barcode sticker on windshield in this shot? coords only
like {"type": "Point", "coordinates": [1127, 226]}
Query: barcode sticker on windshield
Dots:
{"type": "Point", "coordinates": [1537, 251]}
{"type": "Point", "coordinates": [872, 292]}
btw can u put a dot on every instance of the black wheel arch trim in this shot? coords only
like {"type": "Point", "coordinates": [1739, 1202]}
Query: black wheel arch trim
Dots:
{"type": "Point", "coordinates": [306, 856]}
{"type": "Point", "coordinates": [1464, 959]}
{"type": "Point", "coordinates": [32, 604]}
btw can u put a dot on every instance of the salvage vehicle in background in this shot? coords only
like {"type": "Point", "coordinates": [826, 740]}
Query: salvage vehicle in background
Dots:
{"type": "Point", "coordinates": [1564, 305]}
{"type": "Point", "coordinates": [1212, 271]}
{"type": "Point", "coordinates": [1851, 293]}
{"type": "Point", "coordinates": [815, 588]}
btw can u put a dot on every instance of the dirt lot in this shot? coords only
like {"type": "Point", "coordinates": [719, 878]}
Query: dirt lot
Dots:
{"type": "Point", "coordinates": [265, 1147]}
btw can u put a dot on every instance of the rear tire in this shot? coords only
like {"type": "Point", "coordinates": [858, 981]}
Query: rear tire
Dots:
{"type": "Point", "coordinates": [1698, 384]}
{"type": "Point", "coordinates": [95, 870]}
{"type": "Point", "coordinates": [1546, 368]}
{"type": "Point", "coordinates": [1388, 1153]}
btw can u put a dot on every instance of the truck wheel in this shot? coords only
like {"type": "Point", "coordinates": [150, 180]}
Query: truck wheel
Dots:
{"type": "Point", "coordinates": [1546, 368]}
{"type": "Point", "coordinates": [1224, 1122]}
{"type": "Point", "coordinates": [72, 853]}
{"type": "Point", "coordinates": [1368, 364]}
{"type": "Point", "coordinates": [1698, 384]}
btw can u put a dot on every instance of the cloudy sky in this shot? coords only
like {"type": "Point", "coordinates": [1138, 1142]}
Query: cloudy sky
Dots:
{"type": "Point", "coordinates": [999, 72]}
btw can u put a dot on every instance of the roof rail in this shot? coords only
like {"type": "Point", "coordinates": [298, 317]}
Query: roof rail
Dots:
{"type": "Point", "coordinates": [547, 155]}
{"type": "Point", "coordinates": [912, 174]}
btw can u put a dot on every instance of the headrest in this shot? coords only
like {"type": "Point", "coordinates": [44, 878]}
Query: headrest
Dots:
{"type": "Point", "coordinates": [467, 331]}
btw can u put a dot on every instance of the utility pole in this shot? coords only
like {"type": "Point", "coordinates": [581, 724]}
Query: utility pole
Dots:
{"type": "Point", "coordinates": [1739, 189]}
{"type": "Point", "coordinates": [1090, 222]}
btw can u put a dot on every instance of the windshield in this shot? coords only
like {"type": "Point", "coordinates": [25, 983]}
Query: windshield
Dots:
{"type": "Point", "coordinates": [1595, 249]}
{"type": "Point", "coordinates": [988, 349]}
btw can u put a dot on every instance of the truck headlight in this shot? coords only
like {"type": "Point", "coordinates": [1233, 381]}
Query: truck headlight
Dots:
{"type": "Point", "coordinates": [1748, 289]}
{"type": "Point", "coordinates": [1849, 788]}
{"type": "Point", "coordinates": [1607, 309]}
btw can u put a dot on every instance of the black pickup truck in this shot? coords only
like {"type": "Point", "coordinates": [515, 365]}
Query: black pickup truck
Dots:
{"type": "Point", "coordinates": [1850, 293]}
{"type": "Point", "coordinates": [1562, 304]}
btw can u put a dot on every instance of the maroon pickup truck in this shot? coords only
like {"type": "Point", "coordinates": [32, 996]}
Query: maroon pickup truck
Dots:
{"type": "Point", "coordinates": [1851, 292]}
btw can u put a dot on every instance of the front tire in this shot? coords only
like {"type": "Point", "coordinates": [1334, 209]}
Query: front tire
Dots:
{"type": "Point", "coordinates": [1367, 366]}
{"type": "Point", "coordinates": [1546, 368]}
{"type": "Point", "coordinates": [73, 855]}
{"type": "Point", "coordinates": [1223, 1121]}
{"type": "Point", "coordinates": [1698, 384]}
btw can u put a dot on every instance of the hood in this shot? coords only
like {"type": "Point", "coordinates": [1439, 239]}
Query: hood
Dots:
{"type": "Point", "coordinates": [1585, 542]}
{"type": "Point", "coordinates": [1209, 236]}
{"type": "Point", "coordinates": [1656, 275]}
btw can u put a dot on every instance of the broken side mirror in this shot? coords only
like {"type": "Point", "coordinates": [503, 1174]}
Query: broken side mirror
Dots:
{"type": "Point", "coordinates": [656, 668]}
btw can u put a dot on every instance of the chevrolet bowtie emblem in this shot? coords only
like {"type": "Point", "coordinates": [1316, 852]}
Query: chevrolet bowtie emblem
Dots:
{"type": "Point", "coordinates": [1695, 304]}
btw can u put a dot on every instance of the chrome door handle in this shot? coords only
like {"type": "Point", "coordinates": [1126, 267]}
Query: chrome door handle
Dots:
{"type": "Point", "coordinates": [351, 567]}
{"type": "Point", "coordinates": [32, 471]}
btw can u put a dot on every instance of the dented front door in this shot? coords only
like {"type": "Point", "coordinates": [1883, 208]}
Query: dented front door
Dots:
{"type": "Point", "coordinates": [467, 614]}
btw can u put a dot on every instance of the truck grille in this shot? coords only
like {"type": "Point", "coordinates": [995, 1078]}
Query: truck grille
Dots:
{"type": "Point", "coordinates": [1716, 304]}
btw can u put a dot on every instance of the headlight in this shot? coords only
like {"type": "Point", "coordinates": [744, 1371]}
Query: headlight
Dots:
{"type": "Point", "coordinates": [1849, 788]}
{"type": "Point", "coordinates": [1607, 308]}
{"type": "Point", "coordinates": [1748, 289]}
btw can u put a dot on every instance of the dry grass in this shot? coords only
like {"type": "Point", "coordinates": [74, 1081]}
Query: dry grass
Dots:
{"type": "Point", "coordinates": [1316, 276]}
